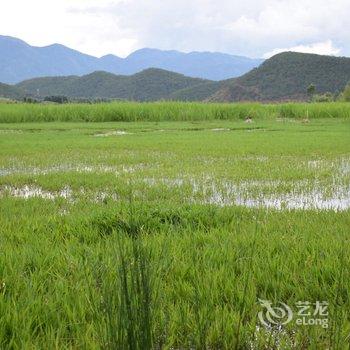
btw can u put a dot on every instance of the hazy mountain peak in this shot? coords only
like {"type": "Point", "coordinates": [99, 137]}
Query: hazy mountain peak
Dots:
{"type": "Point", "coordinates": [110, 56]}
{"type": "Point", "coordinates": [12, 39]}
{"type": "Point", "coordinates": [20, 61]}
{"type": "Point", "coordinates": [148, 50]}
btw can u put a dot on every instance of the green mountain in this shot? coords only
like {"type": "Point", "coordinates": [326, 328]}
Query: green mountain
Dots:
{"type": "Point", "coordinates": [283, 77]}
{"type": "Point", "coordinates": [9, 91]}
{"type": "Point", "coordinates": [199, 92]}
{"type": "Point", "coordinates": [149, 85]}
{"type": "Point", "coordinates": [287, 76]}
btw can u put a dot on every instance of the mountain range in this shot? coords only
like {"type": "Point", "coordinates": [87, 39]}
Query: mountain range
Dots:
{"type": "Point", "coordinates": [20, 61]}
{"type": "Point", "coordinates": [284, 77]}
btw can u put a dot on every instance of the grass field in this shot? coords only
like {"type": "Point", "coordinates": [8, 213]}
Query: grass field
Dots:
{"type": "Point", "coordinates": [167, 111]}
{"type": "Point", "coordinates": [166, 232]}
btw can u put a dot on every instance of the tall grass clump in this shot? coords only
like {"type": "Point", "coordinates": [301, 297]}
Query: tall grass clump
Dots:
{"type": "Point", "coordinates": [126, 290]}
{"type": "Point", "coordinates": [127, 300]}
{"type": "Point", "coordinates": [314, 110]}
{"type": "Point", "coordinates": [166, 111]}
{"type": "Point", "coordinates": [123, 297]}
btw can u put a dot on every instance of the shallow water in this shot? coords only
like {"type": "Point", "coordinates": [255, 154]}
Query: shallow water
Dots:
{"type": "Point", "coordinates": [315, 199]}
{"type": "Point", "coordinates": [113, 133]}
{"type": "Point", "coordinates": [277, 337]}
{"type": "Point", "coordinates": [62, 168]}
{"type": "Point", "coordinates": [10, 131]}
{"type": "Point", "coordinates": [220, 129]}
{"type": "Point", "coordinates": [228, 195]}
{"type": "Point", "coordinates": [304, 196]}
{"type": "Point", "coordinates": [28, 191]}
{"type": "Point", "coordinates": [329, 194]}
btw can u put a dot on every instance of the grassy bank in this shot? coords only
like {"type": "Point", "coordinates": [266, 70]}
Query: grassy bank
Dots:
{"type": "Point", "coordinates": [167, 111]}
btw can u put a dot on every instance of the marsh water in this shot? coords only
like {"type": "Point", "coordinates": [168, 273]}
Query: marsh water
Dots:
{"type": "Point", "coordinates": [279, 195]}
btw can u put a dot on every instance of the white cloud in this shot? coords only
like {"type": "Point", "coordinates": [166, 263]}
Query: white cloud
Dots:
{"type": "Point", "coordinates": [250, 27]}
{"type": "Point", "coordinates": [323, 48]}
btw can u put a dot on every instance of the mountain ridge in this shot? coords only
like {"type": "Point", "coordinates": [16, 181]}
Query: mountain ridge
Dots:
{"type": "Point", "coordinates": [21, 61]}
{"type": "Point", "coordinates": [11, 92]}
{"type": "Point", "coordinates": [149, 85]}
{"type": "Point", "coordinates": [283, 77]}
{"type": "Point", "coordinates": [286, 76]}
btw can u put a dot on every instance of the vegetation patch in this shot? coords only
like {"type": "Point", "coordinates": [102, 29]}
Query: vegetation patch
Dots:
{"type": "Point", "coordinates": [162, 240]}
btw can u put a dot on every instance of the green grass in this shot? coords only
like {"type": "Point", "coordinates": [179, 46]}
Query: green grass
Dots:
{"type": "Point", "coordinates": [136, 241]}
{"type": "Point", "coordinates": [166, 111]}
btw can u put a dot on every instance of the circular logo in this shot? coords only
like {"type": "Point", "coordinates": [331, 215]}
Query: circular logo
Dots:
{"type": "Point", "coordinates": [274, 315]}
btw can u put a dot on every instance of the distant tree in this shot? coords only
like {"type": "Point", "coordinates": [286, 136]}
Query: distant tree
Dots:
{"type": "Point", "coordinates": [56, 99]}
{"type": "Point", "coordinates": [327, 97]}
{"type": "Point", "coordinates": [311, 90]}
{"type": "Point", "coordinates": [345, 96]}
{"type": "Point", "coordinates": [30, 100]}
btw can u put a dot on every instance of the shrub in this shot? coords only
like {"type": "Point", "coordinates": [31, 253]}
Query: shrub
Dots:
{"type": "Point", "coordinates": [327, 97]}
{"type": "Point", "coordinates": [345, 96]}
{"type": "Point", "coordinates": [56, 99]}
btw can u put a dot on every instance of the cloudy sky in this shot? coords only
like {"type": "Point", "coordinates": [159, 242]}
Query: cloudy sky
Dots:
{"type": "Point", "coordinates": [255, 28]}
